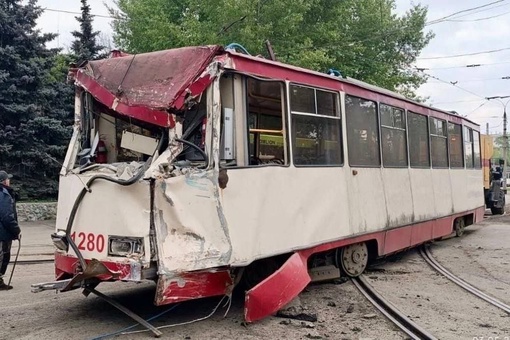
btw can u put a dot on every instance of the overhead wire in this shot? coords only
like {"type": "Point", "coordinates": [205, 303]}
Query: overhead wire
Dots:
{"type": "Point", "coordinates": [476, 80]}
{"type": "Point", "coordinates": [475, 65]}
{"type": "Point", "coordinates": [480, 11]}
{"type": "Point", "coordinates": [458, 101]}
{"type": "Point", "coordinates": [381, 34]}
{"type": "Point", "coordinates": [479, 106]}
{"type": "Point", "coordinates": [77, 13]}
{"type": "Point", "coordinates": [452, 84]}
{"type": "Point", "coordinates": [435, 21]}
{"type": "Point", "coordinates": [478, 19]}
{"type": "Point", "coordinates": [465, 54]}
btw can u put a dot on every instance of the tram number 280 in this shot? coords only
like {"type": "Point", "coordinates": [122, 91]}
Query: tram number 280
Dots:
{"type": "Point", "coordinates": [89, 241]}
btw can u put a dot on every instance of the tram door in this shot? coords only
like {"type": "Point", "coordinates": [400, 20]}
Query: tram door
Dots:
{"type": "Point", "coordinates": [366, 199]}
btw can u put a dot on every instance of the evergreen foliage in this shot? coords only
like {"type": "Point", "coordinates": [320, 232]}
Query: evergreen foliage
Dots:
{"type": "Point", "coordinates": [34, 109]}
{"type": "Point", "coordinates": [85, 45]}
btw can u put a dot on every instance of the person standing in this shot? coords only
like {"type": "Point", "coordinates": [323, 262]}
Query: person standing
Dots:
{"type": "Point", "coordinates": [9, 228]}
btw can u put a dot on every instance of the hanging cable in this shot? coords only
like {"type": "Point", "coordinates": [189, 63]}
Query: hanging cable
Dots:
{"type": "Point", "coordinates": [109, 335]}
{"type": "Point", "coordinates": [234, 46]}
{"type": "Point", "coordinates": [183, 323]}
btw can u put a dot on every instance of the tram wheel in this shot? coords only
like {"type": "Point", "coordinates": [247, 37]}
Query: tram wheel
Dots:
{"type": "Point", "coordinates": [497, 211]}
{"type": "Point", "coordinates": [460, 226]}
{"type": "Point", "coordinates": [353, 259]}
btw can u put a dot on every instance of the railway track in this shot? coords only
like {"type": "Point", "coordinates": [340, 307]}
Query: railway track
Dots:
{"type": "Point", "coordinates": [24, 262]}
{"type": "Point", "coordinates": [425, 253]}
{"type": "Point", "coordinates": [393, 314]}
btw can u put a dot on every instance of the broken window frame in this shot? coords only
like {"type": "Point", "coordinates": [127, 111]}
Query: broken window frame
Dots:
{"type": "Point", "coordinates": [87, 107]}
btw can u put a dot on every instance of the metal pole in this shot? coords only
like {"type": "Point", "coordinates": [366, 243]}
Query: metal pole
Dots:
{"type": "Point", "coordinates": [505, 146]}
{"type": "Point", "coordinates": [16, 260]}
{"type": "Point", "coordinates": [505, 136]}
{"type": "Point", "coordinates": [487, 127]}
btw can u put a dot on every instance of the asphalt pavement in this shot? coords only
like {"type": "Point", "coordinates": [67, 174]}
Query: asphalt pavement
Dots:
{"type": "Point", "coordinates": [35, 241]}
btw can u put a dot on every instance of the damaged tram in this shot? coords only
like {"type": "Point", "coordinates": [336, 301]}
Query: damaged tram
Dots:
{"type": "Point", "coordinates": [200, 168]}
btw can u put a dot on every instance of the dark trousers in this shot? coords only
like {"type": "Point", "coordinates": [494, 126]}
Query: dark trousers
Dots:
{"type": "Point", "coordinates": [5, 257]}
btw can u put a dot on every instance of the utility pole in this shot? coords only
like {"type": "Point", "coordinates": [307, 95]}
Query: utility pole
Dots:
{"type": "Point", "coordinates": [505, 136]}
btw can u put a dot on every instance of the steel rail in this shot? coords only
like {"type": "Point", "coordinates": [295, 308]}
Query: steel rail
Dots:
{"type": "Point", "coordinates": [391, 312]}
{"type": "Point", "coordinates": [425, 253]}
{"type": "Point", "coordinates": [23, 262]}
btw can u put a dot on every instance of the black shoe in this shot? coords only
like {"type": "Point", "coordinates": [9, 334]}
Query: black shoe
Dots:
{"type": "Point", "coordinates": [3, 286]}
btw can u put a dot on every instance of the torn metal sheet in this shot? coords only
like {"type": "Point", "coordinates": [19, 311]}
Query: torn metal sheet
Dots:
{"type": "Point", "coordinates": [190, 225]}
{"type": "Point", "coordinates": [278, 289]}
{"type": "Point", "coordinates": [127, 270]}
{"type": "Point", "coordinates": [153, 80]}
{"type": "Point", "coordinates": [195, 285]}
{"type": "Point", "coordinates": [191, 230]}
{"type": "Point", "coordinates": [95, 269]}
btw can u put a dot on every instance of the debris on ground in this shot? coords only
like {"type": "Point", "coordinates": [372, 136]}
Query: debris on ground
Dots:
{"type": "Point", "coordinates": [295, 310]}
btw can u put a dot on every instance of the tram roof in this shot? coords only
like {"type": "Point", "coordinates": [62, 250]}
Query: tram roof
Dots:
{"type": "Point", "coordinates": [145, 86]}
{"type": "Point", "coordinates": [351, 81]}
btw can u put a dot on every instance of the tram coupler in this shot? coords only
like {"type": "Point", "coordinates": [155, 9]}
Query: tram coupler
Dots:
{"type": "Point", "coordinates": [56, 285]}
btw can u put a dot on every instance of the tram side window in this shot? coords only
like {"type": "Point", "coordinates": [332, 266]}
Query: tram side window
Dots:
{"type": "Point", "coordinates": [266, 140]}
{"type": "Point", "coordinates": [418, 140]}
{"type": "Point", "coordinates": [468, 147]}
{"type": "Point", "coordinates": [476, 150]}
{"type": "Point", "coordinates": [393, 136]}
{"type": "Point", "coordinates": [362, 132]}
{"type": "Point", "coordinates": [455, 145]}
{"type": "Point", "coordinates": [316, 128]}
{"type": "Point", "coordinates": [439, 143]}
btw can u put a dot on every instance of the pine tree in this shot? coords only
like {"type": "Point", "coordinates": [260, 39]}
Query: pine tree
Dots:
{"type": "Point", "coordinates": [85, 46]}
{"type": "Point", "coordinates": [31, 129]}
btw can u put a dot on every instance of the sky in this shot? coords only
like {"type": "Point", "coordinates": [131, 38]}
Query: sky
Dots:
{"type": "Point", "coordinates": [484, 29]}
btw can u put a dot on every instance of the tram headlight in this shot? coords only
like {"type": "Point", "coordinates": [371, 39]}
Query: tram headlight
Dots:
{"type": "Point", "coordinates": [124, 246]}
{"type": "Point", "coordinates": [59, 240]}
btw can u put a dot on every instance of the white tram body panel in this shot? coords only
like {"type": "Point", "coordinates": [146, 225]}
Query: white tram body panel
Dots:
{"type": "Point", "coordinates": [304, 207]}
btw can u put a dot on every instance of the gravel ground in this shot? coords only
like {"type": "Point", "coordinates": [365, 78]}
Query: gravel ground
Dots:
{"type": "Point", "coordinates": [481, 257]}
{"type": "Point", "coordinates": [342, 313]}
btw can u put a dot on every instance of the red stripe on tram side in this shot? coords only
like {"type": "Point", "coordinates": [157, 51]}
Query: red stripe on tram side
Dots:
{"type": "Point", "coordinates": [267, 297]}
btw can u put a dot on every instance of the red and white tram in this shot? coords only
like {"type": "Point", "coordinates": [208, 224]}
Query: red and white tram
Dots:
{"type": "Point", "coordinates": [195, 166]}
